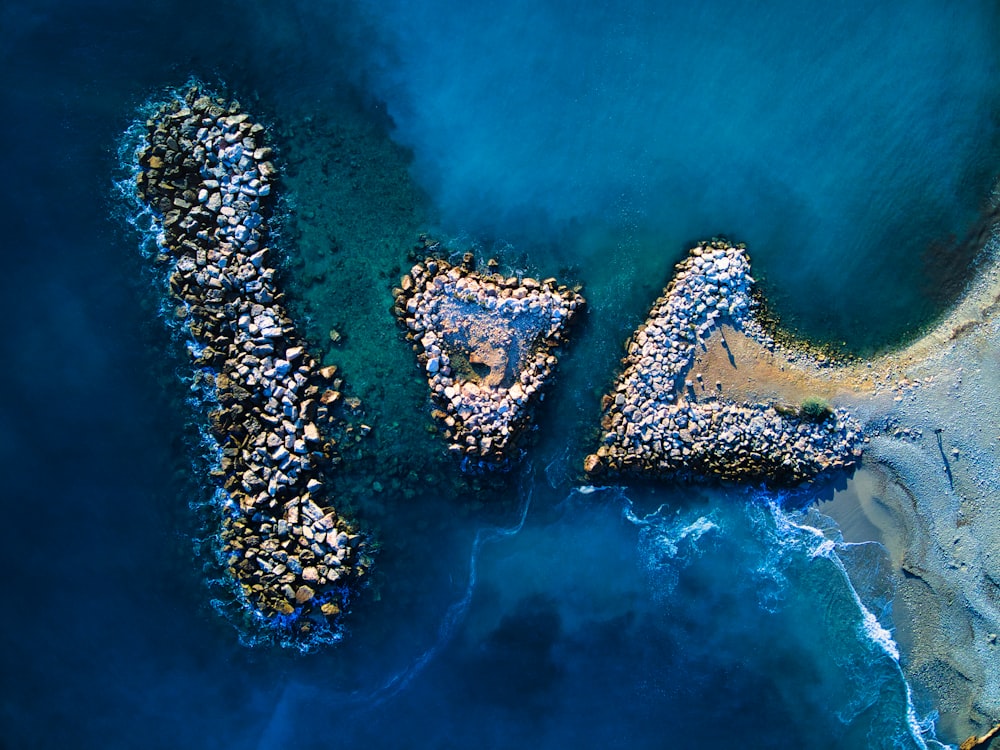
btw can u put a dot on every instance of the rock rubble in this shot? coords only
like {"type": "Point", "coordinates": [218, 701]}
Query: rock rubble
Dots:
{"type": "Point", "coordinates": [487, 343]}
{"type": "Point", "coordinates": [206, 173]}
{"type": "Point", "coordinates": [649, 426]}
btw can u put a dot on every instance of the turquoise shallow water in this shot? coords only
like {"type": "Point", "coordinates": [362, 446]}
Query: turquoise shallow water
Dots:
{"type": "Point", "coordinates": [840, 144]}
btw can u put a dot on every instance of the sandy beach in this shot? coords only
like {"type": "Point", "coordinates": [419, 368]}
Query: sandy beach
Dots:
{"type": "Point", "coordinates": [928, 488]}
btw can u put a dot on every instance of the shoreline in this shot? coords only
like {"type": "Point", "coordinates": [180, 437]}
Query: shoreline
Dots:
{"type": "Point", "coordinates": [930, 465]}
{"type": "Point", "coordinates": [928, 478]}
{"type": "Point", "coordinates": [933, 463]}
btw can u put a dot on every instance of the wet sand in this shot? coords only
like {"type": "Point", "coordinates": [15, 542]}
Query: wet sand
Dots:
{"type": "Point", "coordinates": [928, 489]}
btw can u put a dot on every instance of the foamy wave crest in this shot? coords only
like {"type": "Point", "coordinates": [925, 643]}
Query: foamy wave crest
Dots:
{"type": "Point", "coordinates": [877, 634]}
{"type": "Point", "coordinates": [669, 543]}
{"type": "Point", "coordinates": [795, 530]}
{"type": "Point", "coordinates": [796, 560]}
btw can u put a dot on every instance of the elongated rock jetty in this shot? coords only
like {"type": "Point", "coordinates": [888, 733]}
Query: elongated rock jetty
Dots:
{"type": "Point", "coordinates": [205, 172]}
{"type": "Point", "coordinates": [487, 345]}
{"type": "Point", "coordinates": [651, 422]}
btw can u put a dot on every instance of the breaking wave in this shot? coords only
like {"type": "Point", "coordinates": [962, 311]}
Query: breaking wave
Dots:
{"type": "Point", "coordinates": [797, 569]}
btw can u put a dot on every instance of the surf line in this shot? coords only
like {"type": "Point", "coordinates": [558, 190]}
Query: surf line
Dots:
{"type": "Point", "coordinates": [872, 629]}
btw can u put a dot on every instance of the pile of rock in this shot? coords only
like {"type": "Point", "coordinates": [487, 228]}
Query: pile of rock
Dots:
{"type": "Point", "coordinates": [487, 345]}
{"type": "Point", "coordinates": [650, 427]}
{"type": "Point", "coordinates": [206, 173]}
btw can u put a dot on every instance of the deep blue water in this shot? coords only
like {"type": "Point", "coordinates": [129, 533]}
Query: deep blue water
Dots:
{"type": "Point", "coordinates": [842, 144]}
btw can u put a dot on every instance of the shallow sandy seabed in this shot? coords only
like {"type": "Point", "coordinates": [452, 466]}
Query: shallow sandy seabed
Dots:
{"type": "Point", "coordinates": [928, 489]}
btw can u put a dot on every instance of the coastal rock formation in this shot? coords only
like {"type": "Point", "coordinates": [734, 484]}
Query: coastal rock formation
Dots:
{"type": "Point", "coordinates": [206, 174]}
{"type": "Point", "coordinates": [487, 345]}
{"type": "Point", "coordinates": [974, 742]}
{"type": "Point", "coordinates": [653, 424]}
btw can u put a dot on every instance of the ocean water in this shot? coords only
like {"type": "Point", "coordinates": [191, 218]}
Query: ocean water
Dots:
{"type": "Point", "coordinates": [851, 147]}
{"type": "Point", "coordinates": [819, 136]}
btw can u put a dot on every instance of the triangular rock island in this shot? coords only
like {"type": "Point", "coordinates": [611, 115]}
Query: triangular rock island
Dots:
{"type": "Point", "coordinates": [487, 344]}
{"type": "Point", "coordinates": [662, 418]}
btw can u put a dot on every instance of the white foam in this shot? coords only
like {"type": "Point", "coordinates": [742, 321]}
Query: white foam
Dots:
{"type": "Point", "coordinates": [875, 632]}
{"type": "Point", "coordinates": [922, 732]}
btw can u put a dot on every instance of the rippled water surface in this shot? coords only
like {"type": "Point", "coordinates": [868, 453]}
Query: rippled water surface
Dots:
{"type": "Point", "coordinates": [851, 147]}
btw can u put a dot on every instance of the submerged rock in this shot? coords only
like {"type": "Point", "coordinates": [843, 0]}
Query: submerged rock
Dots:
{"type": "Point", "coordinates": [652, 424]}
{"type": "Point", "coordinates": [487, 345]}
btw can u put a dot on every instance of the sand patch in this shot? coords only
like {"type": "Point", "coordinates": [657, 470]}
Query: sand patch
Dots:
{"type": "Point", "coordinates": [738, 367]}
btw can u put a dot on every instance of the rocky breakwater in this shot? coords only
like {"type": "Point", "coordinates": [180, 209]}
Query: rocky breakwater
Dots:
{"type": "Point", "coordinates": [487, 344]}
{"type": "Point", "coordinates": [205, 173]}
{"type": "Point", "coordinates": [652, 423]}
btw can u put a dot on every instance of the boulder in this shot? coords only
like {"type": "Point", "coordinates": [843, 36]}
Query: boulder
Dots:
{"type": "Point", "coordinates": [203, 170]}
